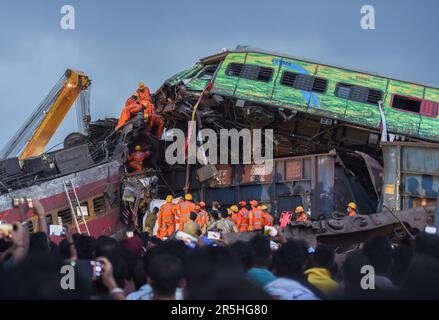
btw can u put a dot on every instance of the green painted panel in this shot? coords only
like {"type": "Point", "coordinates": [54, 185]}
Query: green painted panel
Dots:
{"type": "Point", "coordinates": [355, 112]}
{"type": "Point", "coordinates": [185, 74]}
{"type": "Point", "coordinates": [258, 91]}
{"type": "Point", "coordinates": [287, 96]}
{"type": "Point", "coordinates": [400, 121]}
{"type": "Point", "coordinates": [223, 83]}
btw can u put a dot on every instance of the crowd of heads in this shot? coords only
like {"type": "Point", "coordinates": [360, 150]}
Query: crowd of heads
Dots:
{"type": "Point", "coordinates": [143, 267]}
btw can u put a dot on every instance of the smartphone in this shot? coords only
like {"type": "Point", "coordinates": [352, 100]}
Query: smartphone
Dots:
{"type": "Point", "coordinates": [96, 269]}
{"type": "Point", "coordinates": [57, 230]}
{"type": "Point", "coordinates": [270, 231]}
{"type": "Point", "coordinates": [130, 234]}
{"type": "Point", "coordinates": [213, 235]}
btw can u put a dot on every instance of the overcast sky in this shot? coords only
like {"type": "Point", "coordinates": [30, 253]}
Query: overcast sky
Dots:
{"type": "Point", "coordinates": [118, 43]}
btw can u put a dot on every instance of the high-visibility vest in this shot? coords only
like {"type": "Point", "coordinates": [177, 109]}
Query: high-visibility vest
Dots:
{"type": "Point", "coordinates": [256, 219]}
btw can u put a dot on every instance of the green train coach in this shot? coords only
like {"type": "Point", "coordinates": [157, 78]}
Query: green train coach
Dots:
{"type": "Point", "coordinates": [345, 95]}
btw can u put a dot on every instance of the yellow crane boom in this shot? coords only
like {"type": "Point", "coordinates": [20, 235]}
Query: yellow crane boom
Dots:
{"type": "Point", "coordinates": [32, 138]}
{"type": "Point", "coordinates": [76, 82]}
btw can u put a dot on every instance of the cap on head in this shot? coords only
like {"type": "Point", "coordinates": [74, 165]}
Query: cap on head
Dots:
{"type": "Point", "coordinates": [234, 208]}
{"type": "Point", "coordinates": [352, 205]}
{"type": "Point", "coordinates": [169, 198]}
{"type": "Point", "coordinates": [188, 197]}
{"type": "Point", "coordinates": [138, 148]}
{"type": "Point", "coordinates": [299, 209]}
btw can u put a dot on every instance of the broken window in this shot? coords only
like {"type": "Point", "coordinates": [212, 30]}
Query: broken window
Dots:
{"type": "Point", "coordinates": [208, 72]}
{"type": "Point", "coordinates": [406, 103]}
{"type": "Point", "coordinates": [358, 93]}
{"type": "Point", "coordinates": [304, 82]}
{"type": "Point", "coordinates": [249, 71]}
{"type": "Point", "coordinates": [423, 107]}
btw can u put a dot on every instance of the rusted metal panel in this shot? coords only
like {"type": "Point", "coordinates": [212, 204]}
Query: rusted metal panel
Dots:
{"type": "Point", "coordinates": [255, 173]}
{"type": "Point", "coordinates": [224, 177]}
{"type": "Point", "coordinates": [411, 175]}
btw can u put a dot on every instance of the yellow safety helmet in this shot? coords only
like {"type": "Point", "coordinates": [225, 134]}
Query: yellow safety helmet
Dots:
{"type": "Point", "coordinates": [188, 197]}
{"type": "Point", "coordinates": [234, 208]}
{"type": "Point", "coordinates": [299, 209]}
{"type": "Point", "coordinates": [229, 211]}
{"type": "Point", "coordinates": [264, 207]}
{"type": "Point", "coordinates": [352, 205]}
{"type": "Point", "coordinates": [138, 148]}
{"type": "Point", "coordinates": [135, 94]}
{"type": "Point", "coordinates": [169, 198]}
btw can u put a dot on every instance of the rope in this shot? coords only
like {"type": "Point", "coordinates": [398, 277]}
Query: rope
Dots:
{"type": "Point", "coordinates": [189, 133]}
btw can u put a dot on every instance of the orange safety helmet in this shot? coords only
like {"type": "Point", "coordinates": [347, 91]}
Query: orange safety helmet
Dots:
{"type": "Point", "coordinates": [254, 203]}
{"type": "Point", "coordinates": [299, 209]}
{"type": "Point", "coordinates": [202, 204]}
{"type": "Point", "coordinates": [138, 148]}
{"type": "Point", "coordinates": [242, 203]}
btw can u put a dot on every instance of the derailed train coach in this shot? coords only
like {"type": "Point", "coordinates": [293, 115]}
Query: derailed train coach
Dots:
{"type": "Point", "coordinates": [312, 106]}
{"type": "Point", "coordinates": [322, 183]}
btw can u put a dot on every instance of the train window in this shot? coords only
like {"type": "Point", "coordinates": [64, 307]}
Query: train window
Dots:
{"type": "Point", "coordinates": [416, 105]}
{"type": "Point", "coordinates": [66, 216]}
{"type": "Point", "coordinates": [358, 93]}
{"type": "Point", "coordinates": [304, 82]}
{"type": "Point", "coordinates": [99, 205]}
{"type": "Point", "coordinates": [249, 71]}
{"type": "Point", "coordinates": [207, 72]}
{"type": "Point", "coordinates": [406, 103]}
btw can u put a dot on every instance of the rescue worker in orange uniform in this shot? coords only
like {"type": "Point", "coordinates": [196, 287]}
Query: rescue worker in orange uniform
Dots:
{"type": "Point", "coordinates": [166, 219]}
{"type": "Point", "coordinates": [243, 221]}
{"type": "Point", "coordinates": [154, 121]}
{"type": "Point", "coordinates": [202, 214]}
{"type": "Point", "coordinates": [131, 109]}
{"type": "Point", "coordinates": [136, 158]}
{"type": "Point", "coordinates": [234, 217]}
{"type": "Point", "coordinates": [268, 218]}
{"type": "Point", "coordinates": [300, 214]}
{"type": "Point", "coordinates": [184, 210]}
{"type": "Point", "coordinates": [255, 217]}
{"type": "Point", "coordinates": [351, 209]}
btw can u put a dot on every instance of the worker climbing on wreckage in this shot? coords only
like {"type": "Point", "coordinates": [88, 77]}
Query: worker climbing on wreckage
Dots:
{"type": "Point", "coordinates": [141, 101]}
{"type": "Point", "coordinates": [351, 209]}
{"type": "Point", "coordinates": [184, 210]}
{"type": "Point", "coordinates": [154, 122]}
{"type": "Point", "coordinates": [136, 158]}
{"type": "Point", "coordinates": [131, 109]}
{"type": "Point", "coordinates": [300, 214]}
{"type": "Point", "coordinates": [166, 218]}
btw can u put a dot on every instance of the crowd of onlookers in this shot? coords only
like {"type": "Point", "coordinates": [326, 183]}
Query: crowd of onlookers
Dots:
{"type": "Point", "coordinates": [144, 267]}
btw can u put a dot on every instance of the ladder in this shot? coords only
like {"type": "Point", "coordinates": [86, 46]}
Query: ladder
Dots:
{"type": "Point", "coordinates": [74, 204]}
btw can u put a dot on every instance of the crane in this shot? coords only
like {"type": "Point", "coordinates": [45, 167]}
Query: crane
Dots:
{"type": "Point", "coordinates": [34, 135]}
